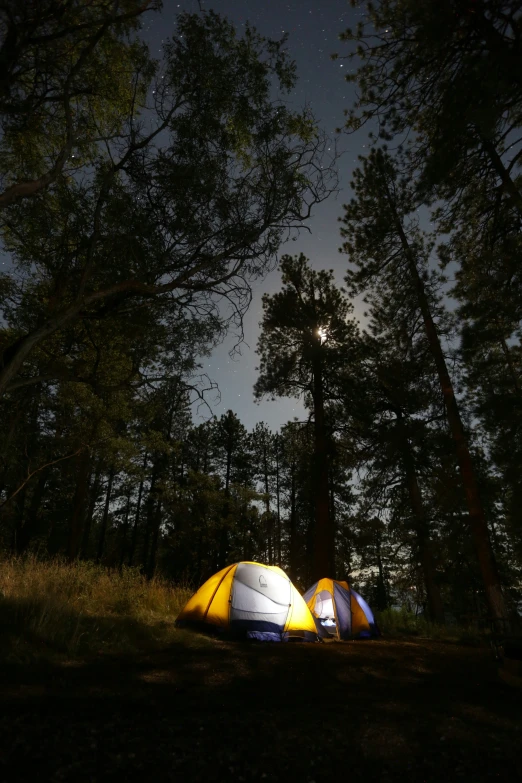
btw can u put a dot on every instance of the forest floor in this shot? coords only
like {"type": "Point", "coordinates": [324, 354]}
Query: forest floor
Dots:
{"type": "Point", "coordinates": [208, 710]}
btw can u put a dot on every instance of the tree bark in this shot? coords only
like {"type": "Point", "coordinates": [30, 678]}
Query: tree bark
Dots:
{"type": "Point", "coordinates": [278, 505]}
{"type": "Point", "coordinates": [509, 362]}
{"type": "Point", "coordinates": [137, 517]}
{"type": "Point", "coordinates": [292, 543]}
{"type": "Point", "coordinates": [382, 593]}
{"type": "Point", "coordinates": [323, 543]}
{"type": "Point", "coordinates": [223, 533]}
{"type": "Point", "coordinates": [103, 529]}
{"type": "Point", "coordinates": [269, 523]}
{"type": "Point", "coordinates": [149, 506]}
{"type": "Point", "coordinates": [14, 427]}
{"type": "Point", "coordinates": [151, 566]}
{"type": "Point", "coordinates": [124, 533]}
{"type": "Point", "coordinates": [477, 520]}
{"type": "Point", "coordinates": [332, 524]}
{"type": "Point", "coordinates": [434, 599]}
{"type": "Point", "coordinates": [77, 520]}
{"type": "Point", "coordinates": [18, 521]}
{"type": "Point", "coordinates": [30, 523]}
{"type": "Point", "coordinates": [503, 173]}
{"type": "Point", "coordinates": [94, 488]}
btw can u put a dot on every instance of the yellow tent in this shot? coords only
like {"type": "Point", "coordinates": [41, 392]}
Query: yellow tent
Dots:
{"type": "Point", "coordinates": [253, 600]}
{"type": "Point", "coordinates": [340, 611]}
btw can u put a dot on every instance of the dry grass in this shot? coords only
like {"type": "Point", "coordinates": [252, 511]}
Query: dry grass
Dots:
{"type": "Point", "coordinates": [80, 608]}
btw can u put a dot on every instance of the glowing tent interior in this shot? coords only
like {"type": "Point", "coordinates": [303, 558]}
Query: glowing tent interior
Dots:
{"type": "Point", "coordinates": [339, 611]}
{"type": "Point", "coordinates": [252, 600]}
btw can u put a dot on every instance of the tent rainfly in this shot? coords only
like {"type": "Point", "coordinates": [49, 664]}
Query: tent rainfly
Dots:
{"type": "Point", "coordinates": [252, 600]}
{"type": "Point", "coordinates": [339, 611]}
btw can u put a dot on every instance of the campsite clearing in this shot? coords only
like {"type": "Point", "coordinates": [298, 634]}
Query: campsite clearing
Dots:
{"type": "Point", "coordinates": [207, 710]}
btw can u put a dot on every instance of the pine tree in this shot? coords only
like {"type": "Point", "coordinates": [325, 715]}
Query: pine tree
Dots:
{"type": "Point", "coordinates": [447, 76]}
{"type": "Point", "coordinates": [390, 252]}
{"type": "Point", "coordinates": [307, 336]}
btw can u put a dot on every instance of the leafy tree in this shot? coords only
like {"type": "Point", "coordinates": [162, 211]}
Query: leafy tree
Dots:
{"type": "Point", "coordinates": [182, 209]}
{"type": "Point", "coordinates": [66, 79]}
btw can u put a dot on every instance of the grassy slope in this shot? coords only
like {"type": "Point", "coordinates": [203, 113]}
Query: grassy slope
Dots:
{"type": "Point", "coordinates": [58, 610]}
{"type": "Point", "coordinates": [52, 609]}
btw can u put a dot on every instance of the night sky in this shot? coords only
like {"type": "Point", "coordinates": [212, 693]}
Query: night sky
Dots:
{"type": "Point", "coordinates": [313, 29]}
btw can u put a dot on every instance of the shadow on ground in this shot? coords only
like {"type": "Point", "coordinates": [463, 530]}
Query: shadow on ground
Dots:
{"type": "Point", "coordinates": [380, 710]}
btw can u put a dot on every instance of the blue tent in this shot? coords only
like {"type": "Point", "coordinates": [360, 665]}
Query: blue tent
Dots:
{"type": "Point", "coordinates": [339, 611]}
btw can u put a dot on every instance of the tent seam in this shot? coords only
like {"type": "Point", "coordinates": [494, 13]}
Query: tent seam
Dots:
{"type": "Point", "coordinates": [337, 631]}
{"type": "Point", "coordinates": [205, 613]}
{"type": "Point", "coordinates": [290, 608]}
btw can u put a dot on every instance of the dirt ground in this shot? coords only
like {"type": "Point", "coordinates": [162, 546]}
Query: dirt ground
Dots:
{"type": "Point", "coordinates": [381, 710]}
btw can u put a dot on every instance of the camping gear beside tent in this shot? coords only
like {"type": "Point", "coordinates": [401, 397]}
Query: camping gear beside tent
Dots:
{"type": "Point", "coordinates": [252, 600]}
{"type": "Point", "coordinates": [339, 611]}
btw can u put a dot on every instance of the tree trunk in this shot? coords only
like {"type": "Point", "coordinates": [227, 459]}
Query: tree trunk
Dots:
{"type": "Point", "coordinates": [93, 496]}
{"type": "Point", "coordinates": [30, 523]}
{"type": "Point", "coordinates": [278, 505]}
{"type": "Point", "coordinates": [14, 427]}
{"type": "Point", "coordinates": [323, 545]}
{"type": "Point", "coordinates": [151, 568]}
{"type": "Point", "coordinates": [223, 533]}
{"type": "Point", "coordinates": [18, 519]}
{"type": "Point", "coordinates": [137, 516]}
{"type": "Point", "coordinates": [292, 543]}
{"type": "Point", "coordinates": [149, 505]}
{"type": "Point", "coordinates": [496, 161]}
{"type": "Point", "coordinates": [124, 533]}
{"type": "Point", "coordinates": [509, 361]}
{"type": "Point", "coordinates": [269, 521]}
{"type": "Point", "coordinates": [382, 593]}
{"type": "Point", "coordinates": [103, 530]}
{"type": "Point", "coordinates": [477, 520]}
{"type": "Point", "coordinates": [435, 604]}
{"type": "Point", "coordinates": [199, 558]}
{"type": "Point", "coordinates": [18, 497]}
{"type": "Point", "coordinates": [332, 524]}
{"type": "Point", "coordinates": [77, 520]}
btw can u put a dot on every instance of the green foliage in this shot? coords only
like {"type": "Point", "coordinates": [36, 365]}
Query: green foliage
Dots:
{"type": "Point", "coordinates": [71, 76]}
{"type": "Point", "coordinates": [405, 623]}
{"type": "Point", "coordinates": [398, 622]}
{"type": "Point", "coordinates": [165, 220]}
